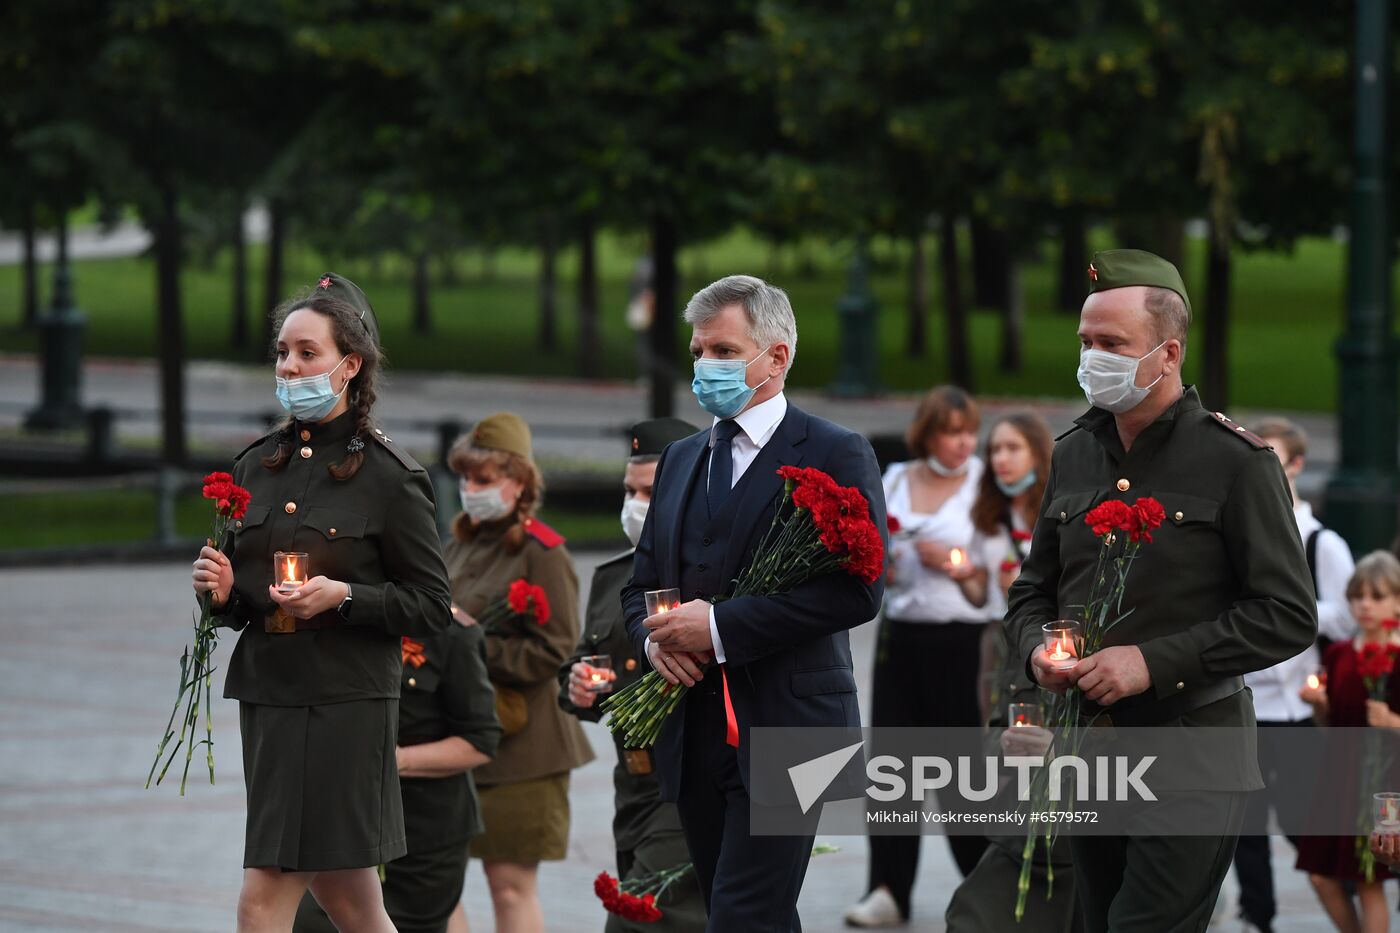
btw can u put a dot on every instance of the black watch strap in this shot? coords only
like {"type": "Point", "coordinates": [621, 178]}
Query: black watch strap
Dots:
{"type": "Point", "coordinates": [344, 607]}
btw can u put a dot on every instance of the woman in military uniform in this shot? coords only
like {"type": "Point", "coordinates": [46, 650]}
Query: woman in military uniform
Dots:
{"type": "Point", "coordinates": [646, 830]}
{"type": "Point", "coordinates": [316, 671]}
{"type": "Point", "coordinates": [495, 541]}
{"type": "Point", "coordinates": [447, 726]}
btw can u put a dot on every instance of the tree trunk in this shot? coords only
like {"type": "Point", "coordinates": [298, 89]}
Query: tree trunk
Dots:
{"type": "Point", "coordinates": [29, 277]}
{"type": "Point", "coordinates": [238, 333]}
{"type": "Point", "coordinates": [170, 337]}
{"type": "Point", "coordinates": [549, 282]}
{"type": "Point", "coordinates": [1012, 321]}
{"type": "Point", "coordinates": [954, 311]}
{"type": "Point", "coordinates": [422, 287]}
{"type": "Point", "coordinates": [590, 346]}
{"type": "Point", "coordinates": [991, 266]}
{"type": "Point", "coordinates": [917, 346]}
{"type": "Point", "coordinates": [663, 325]}
{"type": "Point", "coordinates": [272, 285]}
{"type": "Point", "coordinates": [1074, 261]}
{"type": "Point", "coordinates": [1215, 375]}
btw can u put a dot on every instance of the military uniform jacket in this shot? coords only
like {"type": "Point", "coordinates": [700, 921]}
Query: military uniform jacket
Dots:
{"type": "Point", "coordinates": [1222, 590]}
{"type": "Point", "coordinates": [528, 656]}
{"type": "Point", "coordinates": [375, 531]}
{"type": "Point", "coordinates": [446, 692]}
{"type": "Point", "coordinates": [639, 811]}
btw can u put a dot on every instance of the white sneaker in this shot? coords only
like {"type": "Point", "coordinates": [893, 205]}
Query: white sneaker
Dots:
{"type": "Point", "coordinates": [877, 910]}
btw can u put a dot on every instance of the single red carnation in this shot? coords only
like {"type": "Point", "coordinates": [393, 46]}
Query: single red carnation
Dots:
{"type": "Point", "coordinates": [518, 596]}
{"type": "Point", "coordinates": [1109, 516]}
{"type": "Point", "coordinates": [892, 524]}
{"type": "Point", "coordinates": [539, 604]}
{"type": "Point", "coordinates": [1149, 514]}
{"type": "Point", "coordinates": [1009, 565]}
{"type": "Point", "coordinates": [230, 499]}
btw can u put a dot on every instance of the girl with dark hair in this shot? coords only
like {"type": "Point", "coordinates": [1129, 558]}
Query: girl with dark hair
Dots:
{"type": "Point", "coordinates": [317, 667]}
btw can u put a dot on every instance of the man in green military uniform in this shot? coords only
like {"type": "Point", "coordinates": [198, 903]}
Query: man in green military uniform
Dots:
{"type": "Point", "coordinates": [646, 830]}
{"type": "Point", "coordinates": [1223, 589]}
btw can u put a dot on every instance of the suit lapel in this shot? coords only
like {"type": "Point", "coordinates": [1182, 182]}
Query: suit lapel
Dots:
{"type": "Point", "coordinates": [750, 509]}
{"type": "Point", "coordinates": [689, 455]}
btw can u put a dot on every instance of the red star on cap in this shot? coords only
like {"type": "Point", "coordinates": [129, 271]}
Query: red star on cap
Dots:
{"type": "Point", "coordinates": [326, 281]}
{"type": "Point", "coordinates": [1093, 273]}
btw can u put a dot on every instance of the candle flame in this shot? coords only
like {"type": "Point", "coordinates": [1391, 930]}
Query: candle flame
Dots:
{"type": "Point", "coordinates": [1313, 682]}
{"type": "Point", "coordinates": [956, 556]}
{"type": "Point", "coordinates": [292, 569]}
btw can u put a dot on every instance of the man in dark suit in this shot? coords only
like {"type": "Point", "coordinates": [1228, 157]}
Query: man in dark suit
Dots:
{"type": "Point", "coordinates": [782, 661]}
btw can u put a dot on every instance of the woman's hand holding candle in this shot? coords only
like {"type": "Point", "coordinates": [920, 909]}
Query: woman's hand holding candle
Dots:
{"type": "Point", "coordinates": [936, 556]}
{"type": "Point", "coordinates": [315, 596]}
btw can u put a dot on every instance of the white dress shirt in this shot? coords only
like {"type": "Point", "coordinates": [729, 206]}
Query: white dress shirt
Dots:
{"type": "Point", "coordinates": [1276, 688]}
{"type": "Point", "coordinates": [757, 425]}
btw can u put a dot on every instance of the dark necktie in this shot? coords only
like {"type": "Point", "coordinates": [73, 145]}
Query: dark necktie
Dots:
{"type": "Point", "coordinates": [722, 464]}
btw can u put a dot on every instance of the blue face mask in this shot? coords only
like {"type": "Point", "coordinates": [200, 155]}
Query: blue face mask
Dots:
{"type": "Point", "coordinates": [310, 398]}
{"type": "Point", "coordinates": [1012, 490]}
{"type": "Point", "coordinates": [721, 386]}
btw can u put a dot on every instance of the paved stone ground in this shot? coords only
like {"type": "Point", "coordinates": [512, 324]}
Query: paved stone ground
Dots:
{"type": "Point", "coordinates": [87, 670]}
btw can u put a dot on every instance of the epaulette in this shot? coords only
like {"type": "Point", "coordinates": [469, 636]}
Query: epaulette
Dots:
{"type": "Point", "coordinates": [1072, 429]}
{"type": "Point", "coordinates": [257, 443]}
{"type": "Point", "coordinates": [1240, 431]}
{"type": "Point", "coordinates": [542, 533]}
{"type": "Point", "coordinates": [400, 455]}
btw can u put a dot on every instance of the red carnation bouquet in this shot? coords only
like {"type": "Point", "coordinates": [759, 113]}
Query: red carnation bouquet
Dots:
{"type": "Point", "coordinates": [1122, 530]}
{"type": "Point", "coordinates": [818, 528]}
{"type": "Point", "coordinates": [1375, 662]}
{"type": "Point", "coordinates": [523, 600]}
{"type": "Point", "coordinates": [196, 667]}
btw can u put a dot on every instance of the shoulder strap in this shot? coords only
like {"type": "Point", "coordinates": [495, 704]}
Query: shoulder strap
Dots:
{"type": "Point", "coordinates": [542, 533]}
{"type": "Point", "coordinates": [1240, 431]}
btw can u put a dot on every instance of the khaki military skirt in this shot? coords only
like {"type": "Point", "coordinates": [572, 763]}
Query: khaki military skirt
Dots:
{"type": "Point", "coordinates": [525, 822]}
{"type": "Point", "coordinates": [323, 785]}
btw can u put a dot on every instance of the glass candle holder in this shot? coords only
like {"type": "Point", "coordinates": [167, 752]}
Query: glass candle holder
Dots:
{"type": "Point", "coordinates": [289, 570]}
{"type": "Point", "coordinates": [1318, 678]}
{"type": "Point", "coordinates": [659, 601]}
{"type": "Point", "coordinates": [1387, 813]}
{"type": "Point", "coordinates": [1023, 714]}
{"type": "Point", "coordinates": [1064, 640]}
{"type": "Point", "coordinates": [598, 672]}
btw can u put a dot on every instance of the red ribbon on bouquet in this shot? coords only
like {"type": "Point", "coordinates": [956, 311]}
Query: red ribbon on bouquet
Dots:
{"type": "Point", "coordinates": [731, 725]}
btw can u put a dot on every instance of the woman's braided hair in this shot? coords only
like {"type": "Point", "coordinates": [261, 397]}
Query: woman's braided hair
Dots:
{"type": "Point", "coordinates": [351, 336]}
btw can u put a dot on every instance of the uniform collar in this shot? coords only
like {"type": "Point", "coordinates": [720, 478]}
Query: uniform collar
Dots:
{"type": "Point", "coordinates": [338, 428]}
{"type": "Point", "coordinates": [760, 421]}
{"type": "Point", "coordinates": [1097, 417]}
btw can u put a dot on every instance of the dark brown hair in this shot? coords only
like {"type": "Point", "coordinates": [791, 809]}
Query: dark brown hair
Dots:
{"type": "Point", "coordinates": [936, 413]}
{"type": "Point", "coordinates": [466, 458]}
{"type": "Point", "coordinates": [992, 504]}
{"type": "Point", "coordinates": [350, 336]}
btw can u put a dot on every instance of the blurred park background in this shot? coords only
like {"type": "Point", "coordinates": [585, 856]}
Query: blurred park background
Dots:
{"type": "Point", "coordinates": [507, 179]}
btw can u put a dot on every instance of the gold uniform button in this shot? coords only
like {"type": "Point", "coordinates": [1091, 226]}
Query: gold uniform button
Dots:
{"type": "Point", "coordinates": [413, 681]}
{"type": "Point", "coordinates": [1063, 516]}
{"type": "Point", "coordinates": [290, 507]}
{"type": "Point", "coordinates": [306, 453]}
{"type": "Point", "coordinates": [238, 524]}
{"type": "Point", "coordinates": [1181, 685]}
{"type": "Point", "coordinates": [305, 435]}
{"type": "Point", "coordinates": [1180, 515]}
{"type": "Point", "coordinates": [332, 532]}
{"type": "Point", "coordinates": [631, 664]}
{"type": "Point", "coordinates": [1124, 485]}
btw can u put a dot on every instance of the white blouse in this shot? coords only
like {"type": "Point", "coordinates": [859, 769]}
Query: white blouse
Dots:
{"type": "Point", "coordinates": [918, 594]}
{"type": "Point", "coordinates": [989, 552]}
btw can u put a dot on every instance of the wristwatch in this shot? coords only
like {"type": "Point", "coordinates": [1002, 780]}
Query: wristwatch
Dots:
{"type": "Point", "coordinates": [344, 607]}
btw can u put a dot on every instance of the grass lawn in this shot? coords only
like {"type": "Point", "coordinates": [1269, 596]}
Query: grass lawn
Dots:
{"type": "Point", "coordinates": [1288, 311]}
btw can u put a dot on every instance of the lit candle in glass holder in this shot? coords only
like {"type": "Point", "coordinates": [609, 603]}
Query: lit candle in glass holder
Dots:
{"type": "Point", "coordinates": [289, 570]}
{"type": "Point", "coordinates": [598, 672]}
{"type": "Point", "coordinates": [1063, 642]}
{"type": "Point", "coordinates": [659, 601]}
{"type": "Point", "coordinates": [1023, 714]}
{"type": "Point", "coordinates": [1318, 678]}
{"type": "Point", "coordinates": [956, 557]}
{"type": "Point", "coordinates": [1387, 810]}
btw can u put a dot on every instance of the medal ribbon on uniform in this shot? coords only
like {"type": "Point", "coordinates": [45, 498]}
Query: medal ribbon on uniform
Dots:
{"type": "Point", "coordinates": [413, 652]}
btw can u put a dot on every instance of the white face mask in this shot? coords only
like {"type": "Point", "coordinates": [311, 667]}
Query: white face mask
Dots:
{"type": "Point", "coordinates": [1109, 380]}
{"type": "Point", "coordinates": [484, 505]}
{"type": "Point", "coordinates": [634, 515]}
{"type": "Point", "coordinates": [937, 467]}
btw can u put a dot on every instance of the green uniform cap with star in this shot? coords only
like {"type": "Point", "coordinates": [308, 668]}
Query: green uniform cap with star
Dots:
{"type": "Point", "coordinates": [1119, 268]}
{"type": "Point", "coordinates": [649, 438]}
{"type": "Point", "coordinates": [347, 291]}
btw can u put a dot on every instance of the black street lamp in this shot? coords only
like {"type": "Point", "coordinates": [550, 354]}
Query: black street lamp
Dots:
{"type": "Point", "coordinates": [858, 362]}
{"type": "Point", "coordinates": [1361, 497]}
{"type": "Point", "coordinates": [61, 350]}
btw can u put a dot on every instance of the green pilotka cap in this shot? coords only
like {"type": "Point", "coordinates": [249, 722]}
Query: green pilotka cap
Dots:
{"type": "Point", "coordinates": [503, 431]}
{"type": "Point", "coordinates": [1119, 268]}
{"type": "Point", "coordinates": [649, 438]}
{"type": "Point", "coordinates": [347, 291]}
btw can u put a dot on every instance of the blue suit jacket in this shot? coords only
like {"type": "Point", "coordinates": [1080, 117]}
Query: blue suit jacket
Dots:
{"type": "Point", "coordinates": [788, 657]}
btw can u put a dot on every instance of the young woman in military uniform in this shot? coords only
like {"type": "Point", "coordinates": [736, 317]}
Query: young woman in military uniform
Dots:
{"type": "Point", "coordinates": [316, 671]}
{"type": "Point", "coordinates": [447, 726]}
{"type": "Point", "coordinates": [646, 830]}
{"type": "Point", "coordinates": [497, 540]}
